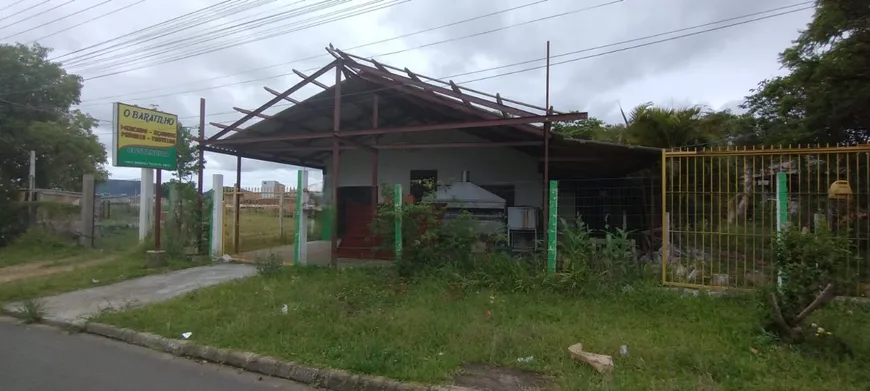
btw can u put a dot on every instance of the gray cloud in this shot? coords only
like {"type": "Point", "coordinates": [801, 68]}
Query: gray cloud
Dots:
{"type": "Point", "coordinates": [720, 67]}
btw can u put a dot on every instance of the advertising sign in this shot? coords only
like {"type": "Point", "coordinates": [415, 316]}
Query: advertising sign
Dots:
{"type": "Point", "coordinates": [144, 138]}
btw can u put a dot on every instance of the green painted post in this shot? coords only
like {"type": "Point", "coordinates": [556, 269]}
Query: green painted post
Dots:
{"type": "Point", "coordinates": [781, 209]}
{"type": "Point", "coordinates": [553, 224]}
{"type": "Point", "coordinates": [297, 220]}
{"type": "Point", "coordinates": [397, 208]}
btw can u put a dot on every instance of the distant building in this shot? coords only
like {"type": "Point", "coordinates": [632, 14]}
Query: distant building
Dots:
{"type": "Point", "coordinates": [271, 189]}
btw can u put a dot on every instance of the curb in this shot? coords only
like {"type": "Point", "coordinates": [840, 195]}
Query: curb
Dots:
{"type": "Point", "coordinates": [330, 379]}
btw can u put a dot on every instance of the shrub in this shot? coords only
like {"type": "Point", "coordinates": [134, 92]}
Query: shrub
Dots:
{"type": "Point", "coordinates": [269, 265]}
{"type": "Point", "coordinates": [604, 263]}
{"type": "Point", "coordinates": [428, 240]}
{"type": "Point", "coordinates": [808, 264]}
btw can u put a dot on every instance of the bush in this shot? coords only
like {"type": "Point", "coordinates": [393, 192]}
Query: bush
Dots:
{"type": "Point", "coordinates": [269, 265]}
{"type": "Point", "coordinates": [606, 263]}
{"type": "Point", "coordinates": [428, 240]}
{"type": "Point", "coordinates": [808, 264]}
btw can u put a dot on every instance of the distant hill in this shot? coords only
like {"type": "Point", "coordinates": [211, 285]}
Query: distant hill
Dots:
{"type": "Point", "coordinates": [117, 187]}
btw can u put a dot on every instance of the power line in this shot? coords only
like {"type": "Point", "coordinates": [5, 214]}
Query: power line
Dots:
{"type": "Point", "coordinates": [639, 38]}
{"type": "Point", "coordinates": [420, 46]}
{"type": "Point", "coordinates": [186, 42]}
{"type": "Point", "coordinates": [367, 92]}
{"type": "Point", "coordinates": [89, 58]}
{"type": "Point", "coordinates": [11, 5]}
{"type": "Point", "coordinates": [36, 14]}
{"type": "Point", "coordinates": [189, 14]}
{"type": "Point", "coordinates": [22, 11]}
{"type": "Point", "coordinates": [641, 45]}
{"type": "Point", "coordinates": [313, 57]}
{"type": "Point", "coordinates": [56, 20]}
{"type": "Point", "coordinates": [66, 115]}
{"type": "Point", "coordinates": [87, 21]}
{"type": "Point", "coordinates": [259, 38]}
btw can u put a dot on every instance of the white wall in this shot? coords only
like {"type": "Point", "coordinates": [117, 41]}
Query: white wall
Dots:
{"type": "Point", "coordinates": [488, 166]}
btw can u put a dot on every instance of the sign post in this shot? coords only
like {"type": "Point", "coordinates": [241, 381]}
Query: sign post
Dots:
{"type": "Point", "coordinates": [147, 139]}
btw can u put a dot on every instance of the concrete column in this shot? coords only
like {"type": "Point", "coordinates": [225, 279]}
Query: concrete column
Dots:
{"type": "Point", "coordinates": [146, 196]}
{"type": "Point", "coordinates": [87, 204]}
{"type": "Point", "coordinates": [301, 220]}
{"type": "Point", "coordinates": [217, 217]}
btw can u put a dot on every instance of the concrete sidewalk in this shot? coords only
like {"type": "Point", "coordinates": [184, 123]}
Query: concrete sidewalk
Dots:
{"type": "Point", "coordinates": [76, 307]}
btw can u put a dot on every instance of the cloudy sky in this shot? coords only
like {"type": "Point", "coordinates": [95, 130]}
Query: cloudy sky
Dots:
{"type": "Point", "coordinates": [227, 56]}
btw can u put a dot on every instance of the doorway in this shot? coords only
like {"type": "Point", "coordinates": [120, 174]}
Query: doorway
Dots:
{"type": "Point", "coordinates": [353, 201]}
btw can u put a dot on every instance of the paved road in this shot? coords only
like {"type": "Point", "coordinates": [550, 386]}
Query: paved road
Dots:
{"type": "Point", "coordinates": [47, 359]}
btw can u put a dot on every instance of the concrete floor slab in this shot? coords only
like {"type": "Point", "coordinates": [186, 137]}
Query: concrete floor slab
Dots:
{"type": "Point", "coordinates": [74, 307]}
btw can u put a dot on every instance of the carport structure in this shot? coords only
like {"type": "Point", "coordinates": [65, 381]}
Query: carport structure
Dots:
{"type": "Point", "coordinates": [370, 101]}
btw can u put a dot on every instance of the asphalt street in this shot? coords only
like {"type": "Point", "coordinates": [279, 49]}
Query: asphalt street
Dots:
{"type": "Point", "coordinates": [44, 358]}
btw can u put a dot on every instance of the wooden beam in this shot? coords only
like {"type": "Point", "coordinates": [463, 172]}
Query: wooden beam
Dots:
{"type": "Point", "coordinates": [274, 100]}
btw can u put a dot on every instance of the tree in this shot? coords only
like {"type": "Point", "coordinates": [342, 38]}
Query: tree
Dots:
{"type": "Point", "coordinates": [35, 114]}
{"type": "Point", "coordinates": [36, 96]}
{"type": "Point", "coordinates": [661, 127]}
{"type": "Point", "coordinates": [825, 96]}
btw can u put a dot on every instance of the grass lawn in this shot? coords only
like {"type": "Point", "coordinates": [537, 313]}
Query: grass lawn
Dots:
{"type": "Point", "coordinates": [367, 321]}
{"type": "Point", "coordinates": [38, 246]}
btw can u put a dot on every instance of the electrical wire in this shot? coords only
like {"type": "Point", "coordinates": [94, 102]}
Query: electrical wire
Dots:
{"type": "Point", "coordinates": [86, 22]}
{"type": "Point", "coordinates": [55, 20]}
{"type": "Point", "coordinates": [314, 57]}
{"type": "Point", "coordinates": [465, 82]}
{"type": "Point", "coordinates": [429, 44]}
{"type": "Point", "coordinates": [182, 17]}
{"type": "Point", "coordinates": [91, 58]}
{"type": "Point", "coordinates": [66, 115]}
{"type": "Point", "coordinates": [254, 39]}
{"type": "Point", "coordinates": [89, 102]}
{"type": "Point", "coordinates": [186, 42]}
{"type": "Point", "coordinates": [37, 14]}
{"type": "Point", "coordinates": [22, 11]}
{"type": "Point", "coordinates": [11, 5]}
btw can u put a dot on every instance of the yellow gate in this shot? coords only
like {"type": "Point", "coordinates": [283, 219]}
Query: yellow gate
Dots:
{"type": "Point", "coordinates": [255, 219]}
{"type": "Point", "coordinates": [719, 207]}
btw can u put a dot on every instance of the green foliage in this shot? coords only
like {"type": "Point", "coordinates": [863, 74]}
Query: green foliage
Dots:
{"type": "Point", "coordinates": [824, 97]}
{"type": "Point", "coordinates": [36, 96]}
{"type": "Point", "coordinates": [269, 265]}
{"type": "Point", "coordinates": [428, 240]}
{"type": "Point", "coordinates": [32, 310]}
{"type": "Point", "coordinates": [811, 266]}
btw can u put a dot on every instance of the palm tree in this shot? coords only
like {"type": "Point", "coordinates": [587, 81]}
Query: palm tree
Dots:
{"type": "Point", "coordinates": [668, 127]}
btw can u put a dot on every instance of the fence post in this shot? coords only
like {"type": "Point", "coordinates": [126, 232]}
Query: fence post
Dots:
{"type": "Point", "coordinates": [553, 222]}
{"type": "Point", "coordinates": [146, 197]}
{"type": "Point", "coordinates": [666, 219]}
{"type": "Point", "coordinates": [300, 221]}
{"type": "Point", "coordinates": [397, 208]}
{"type": "Point", "coordinates": [87, 203]}
{"type": "Point", "coordinates": [781, 210]}
{"type": "Point", "coordinates": [217, 216]}
{"type": "Point", "coordinates": [281, 216]}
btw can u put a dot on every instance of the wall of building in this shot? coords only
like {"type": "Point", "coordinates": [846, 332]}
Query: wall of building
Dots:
{"type": "Point", "coordinates": [488, 166]}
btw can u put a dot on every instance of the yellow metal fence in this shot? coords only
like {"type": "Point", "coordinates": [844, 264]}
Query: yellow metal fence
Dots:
{"type": "Point", "coordinates": [720, 210]}
{"type": "Point", "coordinates": [263, 219]}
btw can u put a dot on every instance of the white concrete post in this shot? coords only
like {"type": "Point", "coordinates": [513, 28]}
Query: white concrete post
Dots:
{"type": "Point", "coordinates": [281, 216]}
{"type": "Point", "coordinates": [217, 216]}
{"type": "Point", "coordinates": [300, 220]}
{"type": "Point", "coordinates": [146, 196]}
